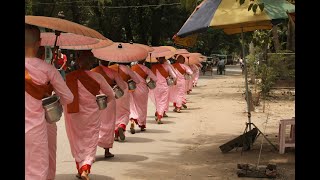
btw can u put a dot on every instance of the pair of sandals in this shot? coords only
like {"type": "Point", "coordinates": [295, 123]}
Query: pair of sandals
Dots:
{"type": "Point", "coordinates": [84, 175]}
{"type": "Point", "coordinates": [120, 134]}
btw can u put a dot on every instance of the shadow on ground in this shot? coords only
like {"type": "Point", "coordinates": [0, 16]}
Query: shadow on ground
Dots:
{"type": "Point", "coordinates": [201, 158]}
{"type": "Point", "coordinates": [131, 139]}
{"type": "Point", "coordinates": [122, 158]}
{"type": "Point", "coordinates": [153, 131]}
{"type": "Point", "coordinates": [73, 177]}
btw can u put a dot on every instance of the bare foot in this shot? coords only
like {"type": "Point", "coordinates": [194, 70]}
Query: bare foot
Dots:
{"type": "Point", "coordinates": [84, 175]}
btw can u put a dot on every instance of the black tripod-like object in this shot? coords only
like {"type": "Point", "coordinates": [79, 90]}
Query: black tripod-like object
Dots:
{"type": "Point", "coordinates": [248, 99]}
{"type": "Point", "coordinates": [249, 135]}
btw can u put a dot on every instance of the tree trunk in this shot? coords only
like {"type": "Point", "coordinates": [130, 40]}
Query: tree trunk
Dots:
{"type": "Point", "coordinates": [28, 7]}
{"type": "Point", "coordinates": [156, 25]}
{"type": "Point", "coordinates": [126, 23]}
{"type": "Point", "coordinates": [275, 38]}
{"type": "Point", "coordinates": [291, 36]}
{"type": "Point", "coordinates": [142, 26]}
{"type": "Point", "coordinates": [75, 13]}
{"type": "Point", "coordinates": [116, 32]}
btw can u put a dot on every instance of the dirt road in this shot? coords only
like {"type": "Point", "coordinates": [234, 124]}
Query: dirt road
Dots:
{"type": "Point", "coordinates": [186, 146]}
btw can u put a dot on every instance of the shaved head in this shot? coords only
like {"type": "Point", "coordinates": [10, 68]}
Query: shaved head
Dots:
{"type": "Point", "coordinates": [85, 60]}
{"type": "Point", "coordinates": [32, 34]}
{"type": "Point", "coordinates": [32, 40]}
{"type": "Point", "coordinates": [180, 59]}
{"type": "Point", "coordinates": [161, 59]}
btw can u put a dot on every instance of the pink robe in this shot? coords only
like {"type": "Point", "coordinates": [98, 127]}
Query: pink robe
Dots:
{"type": "Point", "coordinates": [36, 134]}
{"type": "Point", "coordinates": [83, 127]}
{"type": "Point", "coordinates": [139, 98]}
{"type": "Point", "coordinates": [123, 103]}
{"type": "Point", "coordinates": [161, 92]}
{"type": "Point", "coordinates": [52, 144]}
{"type": "Point", "coordinates": [195, 69]}
{"type": "Point", "coordinates": [108, 116]}
{"type": "Point", "coordinates": [179, 88]}
{"type": "Point", "coordinates": [196, 76]}
{"type": "Point", "coordinates": [171, 88]}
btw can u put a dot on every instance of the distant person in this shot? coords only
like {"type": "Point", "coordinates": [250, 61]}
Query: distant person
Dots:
{"type": "Point", "coordinates": [60, 63]}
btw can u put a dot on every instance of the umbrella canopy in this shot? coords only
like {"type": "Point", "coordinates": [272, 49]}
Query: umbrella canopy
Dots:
{"type": "Point", "coordinates": [147, 48]}
{"type": "Point", "coordinates": [234, 18]}
{"type": "Point", "coordinates": [63, 26]}
{"type": "Point", "coordinates": [121, 52]}
{"type": "Point", "coordinates": [159, 51]}
{"type": "Point", "coordinates": [66, 39]}
{"type": "Point", "coordinates": [182, 51]}
{"type": "Point", "coordinates": [100, 44]}
{"type": "Point", "coordinates": [192, 60]}
{"type": "Point", "coordinates": [171, 48]}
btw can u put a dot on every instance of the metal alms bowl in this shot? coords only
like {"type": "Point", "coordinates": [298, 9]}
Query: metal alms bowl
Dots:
{"type": "Point", "coordinates": [170, 81]}
{"type": "Point", "coordinates": [118, 92]}
{"type": "Point", "coordinates": [101, 101]}
{"type": "Point", "coordinates": [53, 108]}
{"type": "Point", "coordinates": [132, 85]}
{"type": "Point", "coordinates": [151, 84]}
{"type": "Point", "coordinates": [187, 76]}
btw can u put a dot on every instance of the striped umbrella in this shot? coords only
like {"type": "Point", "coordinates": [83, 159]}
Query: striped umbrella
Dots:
{"type": "Point", "coordinates": [234, 18]}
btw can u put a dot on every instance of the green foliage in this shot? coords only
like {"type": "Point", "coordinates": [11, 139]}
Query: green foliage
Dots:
{"type": "Point", "coordinates": [283, 65]}
{"type": "Point", "coordinates": [268, 77]}
{"type": "Point", "coordinates": [261, 6]}
{"type": "Point", "coordinates": [250, 6]}
{"type": "Point", "coordinates": [254, 8]}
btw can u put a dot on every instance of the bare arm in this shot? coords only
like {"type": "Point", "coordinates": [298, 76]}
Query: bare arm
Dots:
{"type": "Point", "coordinates": [105, 88]}
{"type": "Point", "coordinates": [149, 72]}
{"type": "Point", "coordinates": [128, 71]}
{"type": "Point", "coordinates": [60, 87]}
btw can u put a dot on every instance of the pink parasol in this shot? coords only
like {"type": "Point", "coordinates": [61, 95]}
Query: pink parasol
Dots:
{"type": "Point", "coordinates": [121, 52]}
{"type": "Point", "coordinates": [159, 52]}
{"type": "Point", "coordinates": [66, 39]}
{"type": "Point", "coordinates": [100, 44]}
{"type": "Point", "coordinates": [171, 48]}
{"type": "Point", "coordinates": [147, 48]}
{"type": "Point", "coordinates": [181, 51]}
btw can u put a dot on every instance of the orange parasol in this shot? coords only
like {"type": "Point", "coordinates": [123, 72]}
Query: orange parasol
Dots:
{"type": "Point", "coordinates": [159, 52]}
{"type": "Point", "coordinates": [121, 52]}
{"type": "Point", "coordinates": [66, 39]}
{"type": "Point", "coordinates": [148, 48]}
{"type": "Point", "coordinates": [100, 44]}
{"type": "Point", "coordinates": [62, 25]}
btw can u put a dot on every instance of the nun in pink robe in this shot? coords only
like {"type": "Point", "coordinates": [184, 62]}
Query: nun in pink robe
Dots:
{"type": "Point", "coordinates": [197, 74]}
{"type": "Point", "coordinates": [195, 69]}
{"type": "Point", "coordinates": [171, 89]}
{"type": "Point", "coordinates": [123, 103]}
{"type": "Point", "coordinates": [108, 116]}
{"type": "Point", "coordinates": [161, 92]}
{"type": "Point", "coordinates": [83, 127]}
{"type": "Point", "coordinates": [139, 98]}
{"type": "Point", "coordinates": [36, 128]}
{"type": "Point", "coordinates": [179, 88]}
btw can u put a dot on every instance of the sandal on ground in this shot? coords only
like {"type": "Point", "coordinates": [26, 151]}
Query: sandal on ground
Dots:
{"type": "Point", "coordinates": [121, 134]}
{"type": "Point", "coordinates": [132, 130]}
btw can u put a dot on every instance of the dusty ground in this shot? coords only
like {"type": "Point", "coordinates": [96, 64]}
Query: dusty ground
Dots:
{"type": "Point", "coordinates": [186, 146]}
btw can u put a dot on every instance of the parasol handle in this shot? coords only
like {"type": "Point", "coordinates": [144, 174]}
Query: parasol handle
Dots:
{"type": "Point", "coordinates": [57, 33]}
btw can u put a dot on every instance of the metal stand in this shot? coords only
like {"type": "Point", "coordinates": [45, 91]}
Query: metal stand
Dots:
{"type": "Point", "coordinates": [248, 125]}
{"type": "Point", "coordinates": [259, 132]}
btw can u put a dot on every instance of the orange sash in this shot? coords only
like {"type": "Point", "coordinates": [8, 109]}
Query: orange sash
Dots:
{"type": "Point", "coordinates": [136, 68]}
{"type": "Point", "coordinates": [161, 69]}
{"type": "Point", "coordinates": [88, 82]}
{"type": "Point", "coordinates": [100, 70]}
{"type": "Point", "coordinates": [179, 68]}
{"type": "Point", "coordinates": [123, 75]}
{"type": "Point", "coordinates": [37, 91]}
